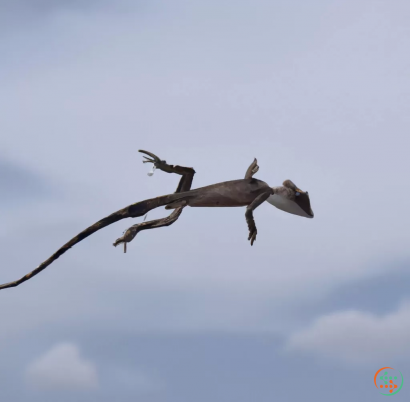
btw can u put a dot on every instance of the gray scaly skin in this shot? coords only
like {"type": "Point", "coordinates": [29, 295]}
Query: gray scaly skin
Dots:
{"type": "Point", "coordinates": [248, 192]}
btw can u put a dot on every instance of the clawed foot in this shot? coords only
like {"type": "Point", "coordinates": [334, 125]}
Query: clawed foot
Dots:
{"type": "Point", "coordinates": [255, 169]}
{"type": "Point", "coordinates": [127, 237]}
{"type": "Point", "coordinates": [154, 159]}
{"type": "Point", "coordinates": [252, 169]}
{"type": "Point", "coordinates": [252, 236]}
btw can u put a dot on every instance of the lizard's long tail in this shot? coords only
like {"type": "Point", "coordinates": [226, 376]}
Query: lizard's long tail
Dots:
{"type": "Point", "coordinates": [132, 211]}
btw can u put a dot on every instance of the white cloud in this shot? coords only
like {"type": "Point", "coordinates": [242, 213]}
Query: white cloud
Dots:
{"type": "Point", "coordinates": [356, 337]}
{"type": "Point", "coordinates": [62, 367]}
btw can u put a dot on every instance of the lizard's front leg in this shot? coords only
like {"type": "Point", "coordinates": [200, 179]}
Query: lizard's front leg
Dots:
{"type": "Point", "coordinates": [249, 213]}
{"type": "Point", "coordinates": [252, 169]}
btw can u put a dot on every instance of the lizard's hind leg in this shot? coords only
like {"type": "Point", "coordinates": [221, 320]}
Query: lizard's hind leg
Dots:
{"type": "Point", "coordinates": [157, 223]}
{"type": "Point", "coordinates": [184, 185]}
{"type": "Point", "coordinates": [187, 173]}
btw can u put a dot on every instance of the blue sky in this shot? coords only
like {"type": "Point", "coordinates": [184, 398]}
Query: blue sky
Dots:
{"type": "Point", "coordinates": [317, 91]}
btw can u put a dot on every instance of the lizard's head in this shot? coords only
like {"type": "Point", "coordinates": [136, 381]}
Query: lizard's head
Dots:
{"type": "Point", "coordinates": [290, 198]}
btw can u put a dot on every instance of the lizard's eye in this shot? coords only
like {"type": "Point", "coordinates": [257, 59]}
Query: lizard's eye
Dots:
{"type": "Point", "coordinates": [297, 193]}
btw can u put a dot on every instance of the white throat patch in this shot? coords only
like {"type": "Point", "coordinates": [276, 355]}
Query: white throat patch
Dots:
{"type": "Point", "coordinates": [286, 205]}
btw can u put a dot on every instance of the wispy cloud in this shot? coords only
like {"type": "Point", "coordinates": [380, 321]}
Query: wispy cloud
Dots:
{"type": "Point", "coordinates": [62, 368]}
{"type": "Point", "coordinates": [356, 337]}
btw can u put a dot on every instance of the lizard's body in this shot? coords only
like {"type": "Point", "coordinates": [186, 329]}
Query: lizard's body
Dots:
{"type": "Point", "coordinates": [249, 192]}
{"type": "Point", "coordinates": [233, 193]}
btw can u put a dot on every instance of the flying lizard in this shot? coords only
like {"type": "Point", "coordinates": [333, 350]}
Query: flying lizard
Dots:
{"type": "Point", "coordinates": [247, 192]}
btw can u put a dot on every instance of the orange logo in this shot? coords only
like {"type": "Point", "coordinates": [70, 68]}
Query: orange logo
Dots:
{"type": "Point", "coordinates": [388, 380]}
